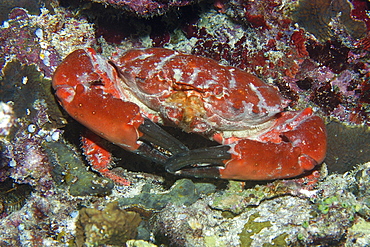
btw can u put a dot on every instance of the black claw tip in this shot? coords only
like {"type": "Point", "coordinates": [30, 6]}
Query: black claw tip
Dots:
{"type": "Point", "coordinates": [209, 156]}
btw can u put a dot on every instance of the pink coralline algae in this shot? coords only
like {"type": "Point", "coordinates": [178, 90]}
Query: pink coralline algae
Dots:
{"type": "Point", "coordinates": [20, 40]}
{"type": "Point", "coordinates": [336, 78]}
{"type": "Point", "coordinates": [333, 75]}
{"type": "Point", "coordinates": [258, 49]}
{"type": "Point", "coordinates": [30, 163]}
{"type": "Point", "coordinates": [40, 40]}
{"type": "Point", "coordinates": [146, 8]}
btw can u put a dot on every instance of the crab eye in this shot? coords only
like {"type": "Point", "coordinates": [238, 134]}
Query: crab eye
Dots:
{"type": "Point", "coordinates": [96, 83]}
{"type": "Point", "coordinates": [284, 138]}
{"type": "Point", "coordinates": [218, 92]}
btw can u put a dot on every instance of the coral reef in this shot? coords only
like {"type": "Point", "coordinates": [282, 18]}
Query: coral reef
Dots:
{"type": "Point", "coordinates": [18, 39]}
{"type": "Point", "coordinates": [187, 226]}
{"type": "Point", "coordinates": [49, 192]}
{"type": "Point", "coordinates": [42, 221]}
{"type": "Point", "coordinates": [319, 216]}
{"type": "Point", "coordinates": [236, 199]}
{"type": "Point", "coordinates": [29, 162]}
{"type": "Point", "coordinates": [111, 226]}
{"type": "Point", "coordinates": [146, 8]}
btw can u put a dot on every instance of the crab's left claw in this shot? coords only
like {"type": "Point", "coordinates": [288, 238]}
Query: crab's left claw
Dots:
{"type": "Point", "coordinates": [153, 134]}
{"type": "Point", "coordinates": [86, 87]}
{"type": "Point", "coordinates": [290, 149]}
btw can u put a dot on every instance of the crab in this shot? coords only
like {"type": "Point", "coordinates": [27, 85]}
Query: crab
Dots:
{"type": "Point", "coordinates": [126, 98]}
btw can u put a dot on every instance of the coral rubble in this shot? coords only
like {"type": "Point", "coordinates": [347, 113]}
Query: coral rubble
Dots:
{"type": "Point", "coordinates": [183, 192]}
{"type": "Point", "coordinates": [111, 226]}
{"type": "Point", "coordinates": [319, 216]}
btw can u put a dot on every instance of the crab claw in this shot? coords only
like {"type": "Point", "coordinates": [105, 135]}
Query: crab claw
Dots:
{"type": "Point", "coordinates": [86, 87]}
{"type": "Point", "coordinates": [295, 144]}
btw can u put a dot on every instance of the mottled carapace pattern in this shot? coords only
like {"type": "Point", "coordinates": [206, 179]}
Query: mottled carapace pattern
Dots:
{"type": "Point", "coordinates": [224, 96]}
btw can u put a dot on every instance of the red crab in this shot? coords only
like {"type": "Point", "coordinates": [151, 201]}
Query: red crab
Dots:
{"type": "Point", "coordinates": [120, 99]}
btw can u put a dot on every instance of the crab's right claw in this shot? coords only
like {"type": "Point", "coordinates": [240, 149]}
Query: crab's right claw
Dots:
{"type": "Point", "coordinates": [296, 145]}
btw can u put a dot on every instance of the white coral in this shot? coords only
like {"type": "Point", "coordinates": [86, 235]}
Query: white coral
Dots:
{"type": "Point", "coordinates": [6, 118]}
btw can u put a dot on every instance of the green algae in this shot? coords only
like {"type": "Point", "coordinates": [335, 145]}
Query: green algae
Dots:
{"type": "Point", "coordinates": [324, 205]}
{"type": "Point", "coordinates": [26, 87]}
{"type": "Point", "coordinates": [279, 240]}
{"type": "Point", "coordinates": [316, 15]}
{"type": "Point", "coordinates": [68, 167]}
{"type": "Point", "coordinates": [236, 199]}
{"type": "Point", "coordinates": [250, 228]}
{"type": "Point", "coordinates": [213, 241]}
{"type": "Point", "coordinates": [253, 227]}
